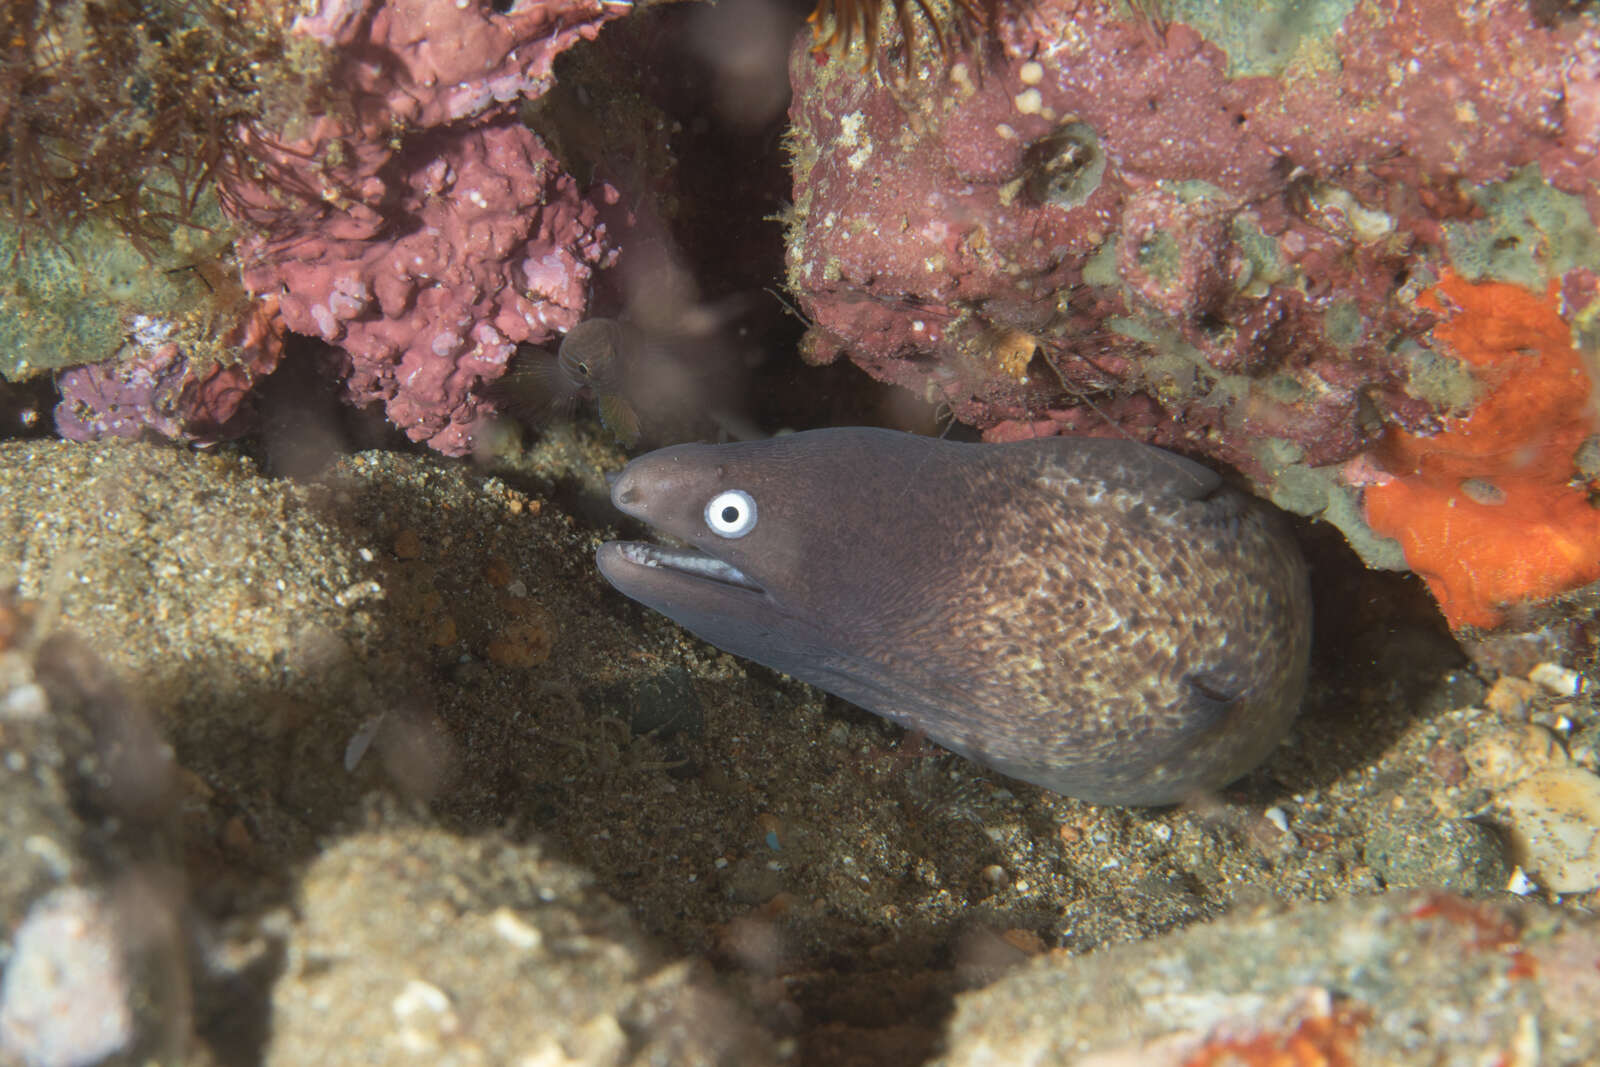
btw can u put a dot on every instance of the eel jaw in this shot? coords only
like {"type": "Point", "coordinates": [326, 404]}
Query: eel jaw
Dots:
{"type": "Point", "coordinates": [685, 561]}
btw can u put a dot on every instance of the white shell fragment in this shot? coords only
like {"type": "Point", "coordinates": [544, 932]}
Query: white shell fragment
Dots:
{"type": "Point", "coordinates": [361, 740]}
{"type": "Point", "coordinates": [1560, 680]}
{"type": "Point", "coordinates": [1553, 819]}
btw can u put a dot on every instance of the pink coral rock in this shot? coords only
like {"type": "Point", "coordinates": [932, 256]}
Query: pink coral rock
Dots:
{"type": "Point", "coordinates": [420, 227]}
{"type": "Point", "coordinates": [158, 386]}
{"type": "Point", "coordinates": [431, 62]}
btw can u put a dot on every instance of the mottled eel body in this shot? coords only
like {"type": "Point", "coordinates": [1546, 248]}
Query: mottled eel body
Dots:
{"type": "Point", "coordinates": [1098, 617]}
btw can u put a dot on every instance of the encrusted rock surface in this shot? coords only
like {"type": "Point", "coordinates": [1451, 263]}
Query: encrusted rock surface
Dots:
{"type": "Point", "coordinates": [1403, 978]}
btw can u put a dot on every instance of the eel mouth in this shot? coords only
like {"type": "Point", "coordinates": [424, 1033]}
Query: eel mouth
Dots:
{"type": "Point", "coordinates": [686, 561]}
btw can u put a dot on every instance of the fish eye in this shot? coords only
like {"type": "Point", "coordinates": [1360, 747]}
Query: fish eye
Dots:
{"type": "Point", "coordinates": [583, 368]}
{"type": "Point", "coordinates": [731, 513]}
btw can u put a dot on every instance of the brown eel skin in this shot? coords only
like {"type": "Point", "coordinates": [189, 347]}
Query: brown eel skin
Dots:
{"type": "Point", "coordinates": [1098, 617]}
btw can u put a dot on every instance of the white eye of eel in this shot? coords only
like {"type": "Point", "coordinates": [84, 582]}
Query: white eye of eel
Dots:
{"type": "Point", "coordinates": [731, 513]}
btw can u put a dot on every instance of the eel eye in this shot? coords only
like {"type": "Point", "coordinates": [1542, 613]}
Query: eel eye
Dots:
{"type": "Point", "coordinates": [731, 513]}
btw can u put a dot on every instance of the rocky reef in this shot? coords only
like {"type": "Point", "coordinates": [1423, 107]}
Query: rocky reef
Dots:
{"type": "Point", "coordinates": [367, 184]}
{"type": "Point", "coordinates": [1262, 234]}
{"type": "Point", "coordinates": [1251, 234]}
{"type": "Point", "coordinates": [116, 122]}
{"type": "Point", "coordinates": [317, 750]}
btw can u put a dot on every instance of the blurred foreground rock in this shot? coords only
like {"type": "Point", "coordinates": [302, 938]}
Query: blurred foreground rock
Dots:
{"type": "Point", "coordinates": [1406, 978]}
{"type": "Point", "coordinates": [416, 946]}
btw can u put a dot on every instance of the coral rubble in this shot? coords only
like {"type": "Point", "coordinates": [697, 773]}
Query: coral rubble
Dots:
{"type": "Point", "coordinates": [1387, 979]}
{"type": "Point", "coordinates": [93, 942]}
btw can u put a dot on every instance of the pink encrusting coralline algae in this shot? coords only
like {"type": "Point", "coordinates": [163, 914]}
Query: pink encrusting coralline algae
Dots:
{"type": "Point", "coordinates": [158, 387]}
{"type": "Point", "coordinates": [417, 225]}
{"type": "Point", "coordinates": [1232, 227]}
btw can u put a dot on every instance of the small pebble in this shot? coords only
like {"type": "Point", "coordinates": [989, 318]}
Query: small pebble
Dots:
{"type": "Point", "coordinates": [442, 632]}
{"type": "Point", "coordinates": [236, 836]}
{"type": "Point", "coordinates": [1427, 853]}
{"type": "Point", "coordinates": [420, 998]}
{"type": "Point", "coordinates": [497, 572]}
{"type": "Point", "coordinates": [1506, 756]}
{"type": "Point", "coordinates": [407, 545]}
{"type": "Point", "coordinates": [1517, 653]}
{"type": "Point", "coordinates": [513, 929]}
{"type": "Point", "coordinates": [1553, 819]}
{"type": "Point", "coordinates": [357, 592]}
{"type": "Point", "coordinates": [522, 644]}
{"type": "Point", "coordinates": [24, 701]}
{"type": "Point", "coordinates": [1509, 697]}
{"type": "Point", "coordinates": [771, 830]}
{"type": "Point", "coordinates": [1587, 458]}
{"type": "Point", "coordinates": [1585, 747]}
{"type": "Point", "coordinates": [1447, 763]}
{"type": "Point", "coordinates": [1026, 941]}
{"type": "Point", "coordinates": [356, 748]}
{"type": "Point", "coordinates": [1560, 680]}
{"type": "Point", "coordinates": [424, 1016]}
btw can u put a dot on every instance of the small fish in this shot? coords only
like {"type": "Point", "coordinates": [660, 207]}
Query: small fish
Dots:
{"type": "Point", "coordinates": [1098, 617]}
{"type": "Point", "coordinates": [593, 362]}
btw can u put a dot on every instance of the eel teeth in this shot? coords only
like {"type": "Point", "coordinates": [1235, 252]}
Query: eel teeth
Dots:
{"type": "Point", "coordinates": [687, 561]}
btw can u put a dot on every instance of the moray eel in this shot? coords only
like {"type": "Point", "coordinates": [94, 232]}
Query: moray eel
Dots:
{"type": "Point", "coordinates": [1098, 617]}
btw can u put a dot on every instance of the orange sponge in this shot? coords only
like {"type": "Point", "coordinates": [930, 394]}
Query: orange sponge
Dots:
{"type": "Point", "coordinates": [1492, 510]}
